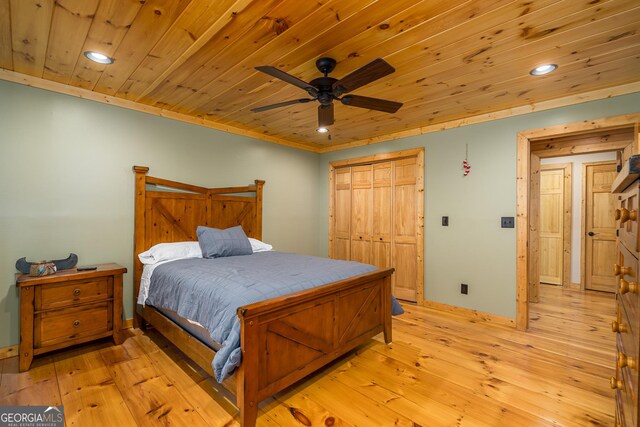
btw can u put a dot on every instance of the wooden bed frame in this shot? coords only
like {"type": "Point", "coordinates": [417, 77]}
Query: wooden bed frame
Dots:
{"type": "Point", "coordinates": [282, 339]}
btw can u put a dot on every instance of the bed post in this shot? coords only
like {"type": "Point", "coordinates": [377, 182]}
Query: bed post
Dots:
{"type": "Point", "coordinates": [139, 238]}
{"type": "Point", "coordinates": [259, 186]}
{"type": "Point", "coordinates": [248, 373]}
{"type": "Point", "coordinates": [388, 308]}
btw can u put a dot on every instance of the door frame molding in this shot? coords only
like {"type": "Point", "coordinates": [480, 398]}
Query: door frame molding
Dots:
{"type": "Point", "coordinates": [527, 183]}
{"type": "Point", "coordinates": [567, 206]}
{"type": "Point", "coordinates": [583, 241]}
{"type": "Point", "coordinates": [418, 153]}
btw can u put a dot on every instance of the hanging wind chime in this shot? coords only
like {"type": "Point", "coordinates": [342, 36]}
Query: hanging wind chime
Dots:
{"type": "Point", "coordinates": [466, 166]}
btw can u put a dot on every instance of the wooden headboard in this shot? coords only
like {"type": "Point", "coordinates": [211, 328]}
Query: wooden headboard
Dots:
{"type": "Point", "coordinates": [172, 211]}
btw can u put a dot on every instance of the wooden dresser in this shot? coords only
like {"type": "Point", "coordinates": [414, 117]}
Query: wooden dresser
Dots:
{"type": "Point", "coordinates": [627, 268]}
{"type": "Point", "coordinates": [67, 308]}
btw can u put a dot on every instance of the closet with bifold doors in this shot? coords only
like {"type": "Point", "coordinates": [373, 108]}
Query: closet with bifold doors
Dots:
{"type": "Point", "coordinates": [377, 216]}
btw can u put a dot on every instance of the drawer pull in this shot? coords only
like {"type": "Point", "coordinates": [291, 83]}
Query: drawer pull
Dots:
{"type": "Point", "coordinates": [616, 214]}
{"type": "Point", "coordinates": [616, 384]}
{"type": "Point", "coordinates": [76, 292]}
{"type": "Point", "coordinates": [76, 323]}
{"type": "Point", "coordinates": [626, 215]}
{"type": "Point", "coordinates": [619, 270]}
{"type": "Point", "coordinates": [628, 287]}
{"type": "Point", "coordinates": [618, 327]}
{"type": "Point", "coordinates": [623, 361]}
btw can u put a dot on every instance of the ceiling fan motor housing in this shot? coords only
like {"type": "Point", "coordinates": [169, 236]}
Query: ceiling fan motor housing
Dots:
{"type": "Point", "coordinates": [325, 89]}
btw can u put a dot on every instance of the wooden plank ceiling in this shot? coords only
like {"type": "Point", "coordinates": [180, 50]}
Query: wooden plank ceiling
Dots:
{"type": "Point", "coordinates": [454, 59]}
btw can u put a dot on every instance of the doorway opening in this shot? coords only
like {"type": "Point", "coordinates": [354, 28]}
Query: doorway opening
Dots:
{"type": "Point", "coordinates": [576, 225]}
{"type": "Point", "coordinates": [618, 134]}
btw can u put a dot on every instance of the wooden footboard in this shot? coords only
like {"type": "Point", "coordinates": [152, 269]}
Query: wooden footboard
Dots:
{"type": "Point", "coordinates": [284, 339]}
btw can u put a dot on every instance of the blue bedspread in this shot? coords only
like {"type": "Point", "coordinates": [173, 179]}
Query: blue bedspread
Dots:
{"type": "Point", "coordinates": [209, 291]}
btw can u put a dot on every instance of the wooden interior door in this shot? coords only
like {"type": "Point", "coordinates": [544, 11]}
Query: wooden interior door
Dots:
{"type": "Point", "coordinates": [361, 212]}
{"type": "Point", "coordinates": [551, 233]}
{"type": "Point", "coordinates": [404, 250]}
{"type": "Point", "coordinates": [599, 226]}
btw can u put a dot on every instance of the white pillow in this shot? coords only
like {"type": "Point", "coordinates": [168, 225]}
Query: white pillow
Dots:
{"type": "Point", "coordinates": [258, 246]}
{"type": "Point", "coordinates": [170, 252]}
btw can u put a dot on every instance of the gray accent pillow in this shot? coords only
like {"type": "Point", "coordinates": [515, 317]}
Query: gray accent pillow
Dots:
{"type": "Point", "coordinates": [216, 243]}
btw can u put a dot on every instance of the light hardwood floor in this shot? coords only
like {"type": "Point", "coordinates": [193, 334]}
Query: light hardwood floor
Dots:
{"type": "Point", "coordinates": [441, 370]}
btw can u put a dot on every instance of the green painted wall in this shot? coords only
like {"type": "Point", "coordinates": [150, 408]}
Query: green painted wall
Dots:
{"type": "Point", "coordinates": [473, 249]}
{"type": "Point", "coordinates": [66, 183]}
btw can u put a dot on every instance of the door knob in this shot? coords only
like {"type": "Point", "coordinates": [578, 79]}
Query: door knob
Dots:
{"type": "Point", "coordinates": [591, 233]}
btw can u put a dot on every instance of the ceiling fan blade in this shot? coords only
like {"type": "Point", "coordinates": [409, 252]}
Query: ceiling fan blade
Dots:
{"type": "Point", "coordinates": [374, 70]}
{"type": "Point", "coordinates": [281, 104]}
{"type": "Point", "coordinates": [279, 74]}
{"type": "Point", "coordinates": [371, 103]}
{"type": "Point", "coordinates": [325, 115]}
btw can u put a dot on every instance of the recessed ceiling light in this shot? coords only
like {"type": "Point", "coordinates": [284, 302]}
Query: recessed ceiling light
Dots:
{"type": "Point", "coordinates": [543, 69]}
{"type": "Point", "coordinates": [322, 130]}
{"type": "Point", "coordinates": [98, 57]}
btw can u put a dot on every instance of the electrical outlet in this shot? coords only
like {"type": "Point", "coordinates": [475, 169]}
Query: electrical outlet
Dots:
{"type": "Point", "coordinates": [445, 221]}
{"type": "Point", "coordinates": [507, 222]}
{"type": "Point", "coordinates": [464, 288]}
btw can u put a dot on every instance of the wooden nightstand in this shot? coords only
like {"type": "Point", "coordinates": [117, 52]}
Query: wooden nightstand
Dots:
{"type": "Point", "coordinates": [67, 308]}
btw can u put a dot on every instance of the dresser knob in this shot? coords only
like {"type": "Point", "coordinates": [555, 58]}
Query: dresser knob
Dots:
{"type": "Point", "coordinates": [626, 215]}
{"type": "Point", "coordinates": [616, 384]}
{"type": "Point", "coordinates": [619, 270]}
{"type": "Point", "coordinates": [76, 323]}
{"type": "Point", "coordinates": [616, 214]}
{"type": "Point", "coordinates": [623, 361]}
{"type": "Point", "coordinates": [618, 327]}
{"type": "Point", "coordinates": [628, 287]}
{"type": "Point", "coordinates": [76, 292]}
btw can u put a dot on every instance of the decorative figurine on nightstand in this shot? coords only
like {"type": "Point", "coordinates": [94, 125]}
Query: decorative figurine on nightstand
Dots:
{"type": "Point", "coordinates": [44, 268]}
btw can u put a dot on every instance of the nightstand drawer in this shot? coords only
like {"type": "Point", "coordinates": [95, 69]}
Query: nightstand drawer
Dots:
{"type": "Point", "coordinates": [72, 324]}
{"type": "Point", "coordinates": [73, 293]}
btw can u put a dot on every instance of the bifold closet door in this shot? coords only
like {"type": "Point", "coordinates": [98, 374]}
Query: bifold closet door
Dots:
{"type": "Point", "coordinates": [405, 252]}
{"type": "Point", "coordinates": [382, 213]}
{"type": "Point", "coordinates": [342, 212]}
{"type": "Point", "coordinates": [376, 217]}
{"type": "Point", "coordinates": [361, 213]}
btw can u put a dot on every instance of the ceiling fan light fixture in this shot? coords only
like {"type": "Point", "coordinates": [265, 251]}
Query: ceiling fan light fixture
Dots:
{"type": "Point", "coordinates": [98, 57]}
{"type": "Point", "coordinates": [322, 129]}
{"type": "Point", "coordinates": [543, 69]}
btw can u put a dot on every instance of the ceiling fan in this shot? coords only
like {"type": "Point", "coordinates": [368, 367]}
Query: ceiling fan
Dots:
{"type": "Point", "coordinates": [327, 89]}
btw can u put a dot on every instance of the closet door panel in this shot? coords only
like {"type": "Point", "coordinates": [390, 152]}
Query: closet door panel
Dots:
{"type": "Point", "coordinates": [342, 214]}
{"type": "Point", "coordinates": [405, 271]}
{"type": "Point", "coordinates": [361, 213]}
{"type": "Point", "coordinates": [382, 215]}
{"type": "Point", "coordinates": [404, 239]}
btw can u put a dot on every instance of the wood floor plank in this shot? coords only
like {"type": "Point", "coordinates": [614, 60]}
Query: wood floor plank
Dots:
{"type": "Point", "coordinates": [38, 386]}
{"type": "Point", "coordinates": [151, 397]}
{"type": "Point", "coordinates": [89, 394]}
